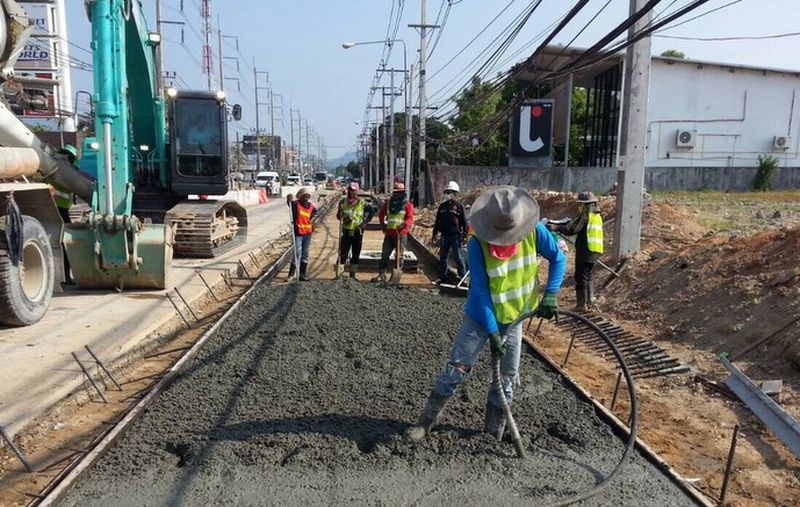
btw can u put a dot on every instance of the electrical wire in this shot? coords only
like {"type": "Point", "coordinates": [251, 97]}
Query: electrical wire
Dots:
{"type": "Point", "coordinates": [722, 39]}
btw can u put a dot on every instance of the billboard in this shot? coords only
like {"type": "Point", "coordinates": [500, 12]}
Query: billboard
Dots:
{"type": "Point", "coordinates": [269, 146]}
{"type": "Point", "coordinates": [531, 137]}
{"type": "Point", "coordinates": [39, 51]}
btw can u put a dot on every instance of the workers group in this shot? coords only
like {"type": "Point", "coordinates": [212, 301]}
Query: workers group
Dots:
{"type": "Point", "coordinates": [504, 239]}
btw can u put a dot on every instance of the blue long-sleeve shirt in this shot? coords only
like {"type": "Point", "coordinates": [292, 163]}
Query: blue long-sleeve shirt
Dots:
{"type": "Point", "coordinates": [479, 305]}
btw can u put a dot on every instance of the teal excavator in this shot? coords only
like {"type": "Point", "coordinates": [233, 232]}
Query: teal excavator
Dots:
{"type": "Point", "coordinates": [156, 157]}
{"type": "Point", "coordinates": [152, 151]}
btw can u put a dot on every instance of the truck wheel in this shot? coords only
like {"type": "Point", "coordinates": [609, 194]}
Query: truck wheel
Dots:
{"type": "Point", "coordinates": [26, 289]}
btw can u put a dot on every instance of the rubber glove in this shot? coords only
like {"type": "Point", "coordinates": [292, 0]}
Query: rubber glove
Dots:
{"type": "Point", "coordinates": [497, 345]}
{"type": "Point", "coordinates": [548, 306]}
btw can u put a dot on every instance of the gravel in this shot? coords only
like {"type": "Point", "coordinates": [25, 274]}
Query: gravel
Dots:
{"type": "Point", "coordinates": [302, 398]}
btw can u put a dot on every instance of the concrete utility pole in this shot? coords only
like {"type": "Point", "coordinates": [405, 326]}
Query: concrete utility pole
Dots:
{"type": "Point", "coordinates": [291, 134]}
{"type": "Point", "coordinates": [409, 120]}
{"type": "Point", "coordinates": [159, 53]}
{"type": "Point", "coordinates": [258, 118]}
{"type": "Point", "coordinates": [221, 57]}
{"type": "Point", "coordinates": [423, 55]}
{"type": "Point", "coordinates": [630, 178]}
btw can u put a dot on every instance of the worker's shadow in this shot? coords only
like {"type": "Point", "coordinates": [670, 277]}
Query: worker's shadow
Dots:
{"type": "Point", "coordinates": [365, 432]}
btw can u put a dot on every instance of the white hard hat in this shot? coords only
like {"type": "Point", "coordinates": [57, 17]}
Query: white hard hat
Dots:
{"type": "Point", "coordinates": [452, 185]}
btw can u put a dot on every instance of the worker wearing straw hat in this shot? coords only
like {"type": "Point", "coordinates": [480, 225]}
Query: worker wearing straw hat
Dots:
{"type": "Point", "coordinates": [502, 254]}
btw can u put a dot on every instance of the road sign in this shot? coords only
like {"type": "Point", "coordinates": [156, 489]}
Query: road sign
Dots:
{"type": "Point", "coordinates": [532, 130]}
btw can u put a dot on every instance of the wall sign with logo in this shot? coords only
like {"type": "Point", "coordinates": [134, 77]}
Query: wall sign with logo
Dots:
{"type": "Point", "coordinates": [531, 136]}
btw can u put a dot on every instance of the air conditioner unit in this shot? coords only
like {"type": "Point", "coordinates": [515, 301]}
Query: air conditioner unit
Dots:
{"type": "Point", "coordinates": [782, 142]}
{"type": "Point", "coordinates": [685, 138]}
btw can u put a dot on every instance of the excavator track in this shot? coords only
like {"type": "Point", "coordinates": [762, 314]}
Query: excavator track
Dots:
{"type": "Point", "coordinates": [205, 229]}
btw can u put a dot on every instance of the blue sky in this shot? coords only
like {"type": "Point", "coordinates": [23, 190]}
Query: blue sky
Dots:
{"type": "Point", "coordinates": [299, 43]}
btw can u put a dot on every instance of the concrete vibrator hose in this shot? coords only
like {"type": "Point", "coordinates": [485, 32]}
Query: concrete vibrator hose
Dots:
{"type": "Point", "coordinates": [634, 419]}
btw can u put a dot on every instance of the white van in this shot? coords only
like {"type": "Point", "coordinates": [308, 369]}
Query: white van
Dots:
{"type": "Point", "coordinates": [293, 180]}
{"type": "Point", "coordinates": [269, 180]}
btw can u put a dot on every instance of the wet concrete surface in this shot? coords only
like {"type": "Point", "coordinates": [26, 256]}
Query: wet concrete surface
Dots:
{"type": "Point", "coordinates": [302, 399]}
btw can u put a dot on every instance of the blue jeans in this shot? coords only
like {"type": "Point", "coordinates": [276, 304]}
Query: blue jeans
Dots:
{"type": "Point", "coordinates": [468, 344]}
{"type": "Point", "coordinates": [447, 243]}
{"type": "Point", "coordinates": [301, 246]}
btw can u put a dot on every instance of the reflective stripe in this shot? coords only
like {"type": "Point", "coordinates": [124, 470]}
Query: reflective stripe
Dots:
{"type": "Point", "coordinates": [395, 220]}
{"type": "Point", "coordinates": [503, 269]}
{"type": "Point", "coordinates": [513, 294]}
{"type": "Point", "coordinates": [594, 233]}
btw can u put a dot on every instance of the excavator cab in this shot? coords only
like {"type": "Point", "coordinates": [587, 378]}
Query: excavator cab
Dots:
{"type": "Point", "coordinates": [198, 142]}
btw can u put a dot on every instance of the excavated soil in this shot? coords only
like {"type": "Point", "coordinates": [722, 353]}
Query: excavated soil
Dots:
{"type": "Point", "coordinates": [302, 398]}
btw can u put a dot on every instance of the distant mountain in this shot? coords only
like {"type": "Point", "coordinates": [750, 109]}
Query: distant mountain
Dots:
{"type": "Point", "coordinates": [348, 157]}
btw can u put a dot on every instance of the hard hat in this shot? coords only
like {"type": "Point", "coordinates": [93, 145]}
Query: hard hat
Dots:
{"type": "Point", "coordinates": [452, 186]}
{"type": "Point", "coordinates": [586, 197]}
{"type": "Point", "coordinates": [399, 186]}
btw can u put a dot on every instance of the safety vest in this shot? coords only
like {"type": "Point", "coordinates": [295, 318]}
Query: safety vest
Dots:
{"type": "Point", "coordinates": [594, 233]}
{"type": "Point", "coordinates": [303, 219]}
{"type": "Point", "coordinates": [395, 220]}
{"type": "Point", "coordinates": [354, 212]}
{"type": "Point", "coordinates": [513, 285]}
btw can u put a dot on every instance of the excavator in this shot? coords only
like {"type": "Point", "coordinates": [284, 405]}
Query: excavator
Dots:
{"type": "Point", "coordinates": [153, 149]}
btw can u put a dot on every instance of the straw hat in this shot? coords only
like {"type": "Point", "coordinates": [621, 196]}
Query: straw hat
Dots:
{"type": "Point", "coordinates": [504, 215]}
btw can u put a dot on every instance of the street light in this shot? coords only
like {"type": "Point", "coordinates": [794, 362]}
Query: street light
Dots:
{"type": "Point", "coordinates": [407, 76]}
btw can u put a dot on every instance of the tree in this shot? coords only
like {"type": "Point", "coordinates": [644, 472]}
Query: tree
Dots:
{"type": "Point", "coordinates": [674, 53]}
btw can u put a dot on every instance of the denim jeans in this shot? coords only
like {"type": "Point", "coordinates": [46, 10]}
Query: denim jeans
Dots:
{"type": "Point", "coordinates": [446, 244]}
{"type": "Point", "coordinates": [301, 246]}
{"type": "Point", "coordinates": [469, 342]}
{"type": "Point", "coordinates": [351, 241]}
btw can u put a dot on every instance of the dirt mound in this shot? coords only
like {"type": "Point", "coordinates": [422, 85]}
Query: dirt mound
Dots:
{"type": "Point", "coordinates": [302, 399]}
{"type": "Point", "coordinates": [722, 294]}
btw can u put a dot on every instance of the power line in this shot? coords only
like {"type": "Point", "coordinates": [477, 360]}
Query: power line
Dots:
{"type": "Point", "coordinates": [720, 39]}
{"type": "Point", "coordinates": [734, 2]}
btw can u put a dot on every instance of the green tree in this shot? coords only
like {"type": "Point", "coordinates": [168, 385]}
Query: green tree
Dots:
{"type": "Point", "coordinates": [673, 53]}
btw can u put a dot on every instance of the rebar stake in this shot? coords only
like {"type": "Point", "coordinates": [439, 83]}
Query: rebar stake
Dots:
{"type": "Point", "coordinates": [569, 350]}
{"type": "Point", "coordinates": [16, 450]}
{"type": "Point", "coordinates": [616, 391]}
{"type": "Point", "coordinates": [225, 279]}
{"type": "Point", "coordinates": [187, 304]}
{"type": "Point", "coordinates": [179, 311]}
{"type": "Point", "coordinates": [244, 269]}
{"type": "Point", "coordinates": [89, 376]}
{"type": "Point", "coordinates": [728, 465]}
{"type": "Point", "coordinates": [102, 366]}
{"type": "Point", "coordinates": [210, 290]}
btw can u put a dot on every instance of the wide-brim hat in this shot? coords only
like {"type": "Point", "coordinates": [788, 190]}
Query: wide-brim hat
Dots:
{"type": "Point", "coordinates": [399, 186]}
{"type": "Point", "coordinates": [504, 215]}
{"type": "Point", "coordinates": [302, 192]}
{"type": "Point", "coordinates": [586, 197]}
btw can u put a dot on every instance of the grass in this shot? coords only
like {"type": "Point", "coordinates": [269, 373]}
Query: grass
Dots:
{"type": "Point", "coordinates": [714, 195]}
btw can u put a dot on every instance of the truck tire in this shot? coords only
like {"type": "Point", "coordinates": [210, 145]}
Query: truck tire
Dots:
{"type": "Point", "coordinates": [26, 289]}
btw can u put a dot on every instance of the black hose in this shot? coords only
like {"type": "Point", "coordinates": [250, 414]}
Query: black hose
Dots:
{"type": "Point", "coordinates": [634, 418]}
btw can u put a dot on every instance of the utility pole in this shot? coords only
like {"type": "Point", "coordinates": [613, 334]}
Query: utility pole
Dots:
{"type": "Point", "coordinates": [159, 54]}
{"type": "Point", "coordinates": [423, 55]}
{"type": "Point", "coordinates": [409, 120]}
{"type": "Point", "coordinates": [630, 178]}
{"type": "Point", "coordinates": [291, 134]}
{"type": "Point", "coordinates": [208, 57]}
{"type": "Point", "coordinates": [221, 58]}
{"type": "Point", "coordinates": [258, 125]}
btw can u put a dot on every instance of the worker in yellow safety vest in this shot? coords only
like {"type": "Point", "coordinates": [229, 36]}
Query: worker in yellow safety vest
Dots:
{"type": "Point", "coordinates": [502, 253]}
{"type": "Point", "coordinates": [64, 201]}
{"type": "Point", "coordinates": [354, 213]}
{"type": "Point", "coordinates": [587, 228]}
{"type": "Point", "coordinates": [396, 217]}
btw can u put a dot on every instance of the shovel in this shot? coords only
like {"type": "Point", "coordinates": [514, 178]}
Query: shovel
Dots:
{"type": "Point", "coordinates": [337, 268]}
{"type": "Point", "coordinates": [397, 272]}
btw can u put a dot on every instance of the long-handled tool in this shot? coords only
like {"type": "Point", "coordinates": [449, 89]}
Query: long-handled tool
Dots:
{"type": "Point", "coordinates": [337, 268]}
{"type": "Point", "coordinates": [289, 198]}
{"type": "Point", "coordinates": [397, 272]}
{"type": "Point", "coordinates": [459, 289]}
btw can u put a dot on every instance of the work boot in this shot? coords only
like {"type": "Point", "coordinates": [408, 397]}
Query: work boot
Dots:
{"type": "Point", "coordinates": [580, 300]}
{"type": "Point", "coordinates": [494, 422]}
{"type": "Point", "coordinates": [292, 270]}
{"type": "Point", "coordinates": [353, 271]}
{"type": "Point", "coordinates": [381, 276]}
{"type": "Point", "coordinates": [428, 418]}
{"type": "Point", "coordinates": [304, 272]}
{"type": "Point", "coordinates": [590, 301]}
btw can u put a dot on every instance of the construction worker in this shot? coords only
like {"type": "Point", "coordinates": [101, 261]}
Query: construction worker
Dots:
{"type": "Point", "coordinates": [587, 228]}
{"type": "Point", "coordinates": [354, 213]}
{"type": "Point", "coordinates": [303, 212]}
{"type": "Point", "coordinates": [502, 253]}
{"type": "Point", "coordinates": [451, 222]}
{"type": "Point", "coordinates": [396, 217]}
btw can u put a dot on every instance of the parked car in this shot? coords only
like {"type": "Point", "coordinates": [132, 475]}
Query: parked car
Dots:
{"type": "Point", "coordinates": [308, 182]}
{"type": "Point", "coordinates": [293, 180]}
{"type": "Point", "coordinates": [269, 180]}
